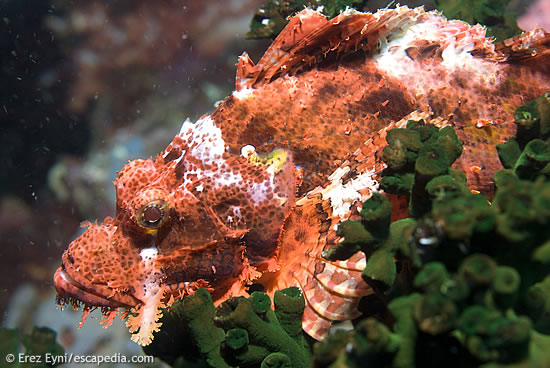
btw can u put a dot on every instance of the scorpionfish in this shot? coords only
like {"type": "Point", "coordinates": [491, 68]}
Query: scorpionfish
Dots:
{"type": "Point", "coordinates": [254, 191]}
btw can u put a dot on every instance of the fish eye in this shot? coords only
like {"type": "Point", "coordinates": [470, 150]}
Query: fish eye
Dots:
{"type": "Point", "coordinates": [153, 214]}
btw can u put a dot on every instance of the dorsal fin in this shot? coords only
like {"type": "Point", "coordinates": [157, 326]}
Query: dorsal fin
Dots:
{"type": "Point", "coordinates": [299, 27]}
{"type": "Point", "coordinates": [310, 36]}
{"type": "Point", "coordinates": [531, 48]}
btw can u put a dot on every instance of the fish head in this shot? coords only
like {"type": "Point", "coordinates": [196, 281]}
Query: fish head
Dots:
{"type": "Point", "coordinates": [195, 216]}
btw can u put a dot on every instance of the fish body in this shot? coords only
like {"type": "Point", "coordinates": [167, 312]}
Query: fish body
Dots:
{"type": "Point", "coordinates": [254, 191]}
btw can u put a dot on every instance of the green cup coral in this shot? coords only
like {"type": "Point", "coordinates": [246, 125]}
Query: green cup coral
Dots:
{"type": "Point", "coordinates": [241, 332]}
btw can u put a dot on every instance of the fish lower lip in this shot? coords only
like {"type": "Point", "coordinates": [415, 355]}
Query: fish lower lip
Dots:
{"type": "Point", "coordinates": [69, 288]}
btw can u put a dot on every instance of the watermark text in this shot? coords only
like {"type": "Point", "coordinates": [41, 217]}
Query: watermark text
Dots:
{"type": "Point", "coordinates": [51, 359]}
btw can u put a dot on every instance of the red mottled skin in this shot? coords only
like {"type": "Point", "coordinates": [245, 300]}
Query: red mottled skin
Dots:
{"type": "Point", "coordinates": [312, 117]}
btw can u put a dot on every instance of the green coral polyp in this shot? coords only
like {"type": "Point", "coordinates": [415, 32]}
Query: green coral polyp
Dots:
{"type": "Point", "coordinates": [380, 270]}
{"type": "Point", "coordinates": [524, 210]}
{"type": "Point", "coordinates": [432, 162]}
{"type": "Point", "coordinates": [237, 340]}
{"type": "Point", "coordinates": [398, 183]}
{"type": "Point", "coordinates": [435, 314]}
{"type": "Point", "coordinates": [432, 277]}
{"type": "Point", "coordinates": [376, 214]}
{"type": "Point", "coordinates": [395, 155]}
{"type": "Point", "coordinates": [533, 119]}
{"type": "Point", "coordinates": [402, 149]}
{"type": "Point", "coordinates": [504, 178]}
{"type": "Point", "coordinates": [260, 302]}
{"type": "Point", "coordinates": [464, 215]}
{"type": "Point", "coordinates": [416, 155]}
{"type": "Point", "coordinates": [508, 153]}
{"type": "Point", "coordinates": [534, 160]}
{"type": "Point", "coordinates": [537, 305]}
{"type": "Point", "coordinates": [445, 187]}
{"type": "Point", "coordinates": [542, 254]}
{"type": "Point", "coordinates": [505, 287]}
{"type": "Point", "coordinates": [276, 360]}
{"type": "Point", "coordinates": [289, 307]}
{"type": "Point", "coordinates": [356, 238]}
{"type": "Point", "coordinates": [478, 269]}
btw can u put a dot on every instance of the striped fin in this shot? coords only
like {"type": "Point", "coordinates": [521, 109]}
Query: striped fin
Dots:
{"type": "Point", "coordinates": [315, 326]}
{"type": "Point", "coordinates": [328, 305]}
{"type": "Point", "coordinates": [332, 289]}
{"type": "Point", "coordinates": [357, 262]}
{"type": "Point", "coordinates": [338, 281]}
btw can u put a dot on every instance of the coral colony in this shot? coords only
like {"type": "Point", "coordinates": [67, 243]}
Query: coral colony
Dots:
{"type": "Point", "coordinates": [351, 175]}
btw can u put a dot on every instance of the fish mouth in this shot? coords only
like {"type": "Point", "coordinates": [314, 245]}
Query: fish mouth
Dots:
{"type": "Point", "coordinates": [75, 292]}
